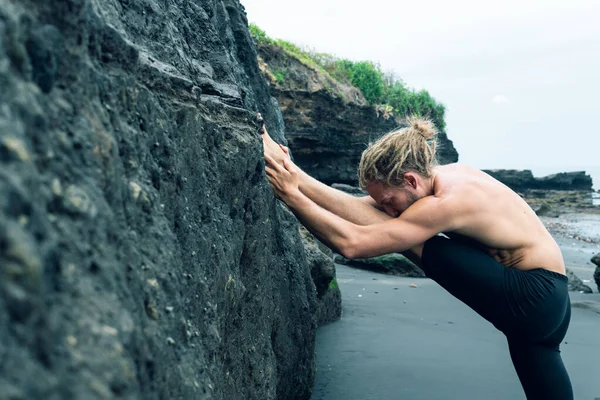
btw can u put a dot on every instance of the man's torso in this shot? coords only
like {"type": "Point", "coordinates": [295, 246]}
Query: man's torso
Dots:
{"type": "Point", "coordinates": [497, 219]}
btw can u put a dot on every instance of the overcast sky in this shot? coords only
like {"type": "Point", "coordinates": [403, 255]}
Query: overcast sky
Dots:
{"type": "Point", "coordinates": [520, 79]}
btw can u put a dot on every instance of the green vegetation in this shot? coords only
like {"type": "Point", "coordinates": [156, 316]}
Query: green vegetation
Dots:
{"type": "Point", "coordinates": [261, 38]}
{"type": "Point", "coordinates": [386, 91]}
{"type": "Point", "coordinates": [279, 75]}
{"type": "Point", "coordinates": [333, 284]}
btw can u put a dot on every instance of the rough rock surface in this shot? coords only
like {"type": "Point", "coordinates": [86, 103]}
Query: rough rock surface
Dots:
{"type": "Point", "coordinates": [328, 124]}
{"type": "Point", "coordinates": [142, 253]}
{"type": "Point", "coordinates": [392, 264]}
{"type": "Point", "coordinates": [521, 180]}
{"type": "Point", "coordinates": [322, 269]}
{"type": "Point", "coordinates": [596, 260]}
{"type": "Point", "coordinates": [576, 285]}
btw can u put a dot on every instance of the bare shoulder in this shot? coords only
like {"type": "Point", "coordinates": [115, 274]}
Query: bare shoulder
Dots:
{"type": "Point", "coordinates": [463, 190]}
{"type": "Point", "coordinates": [439, 213]}
{"type": "Point", "coordinates": [453, 177]}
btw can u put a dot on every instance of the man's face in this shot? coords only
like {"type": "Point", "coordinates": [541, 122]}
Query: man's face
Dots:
{"type": "Point", "coordinates": [393, 200]}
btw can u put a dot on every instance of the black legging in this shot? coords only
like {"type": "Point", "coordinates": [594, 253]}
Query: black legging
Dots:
{"type": "Point", "coordinates": [531, 308]}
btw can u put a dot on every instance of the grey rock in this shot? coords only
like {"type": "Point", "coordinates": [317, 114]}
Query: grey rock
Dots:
{"type": "Point", "coordinates": [521, 180]}
{"type": "Point", "coordinates": [546, 210]}
{"type": "Point", "coordinates": [142, 252]}
{"type": "Point", "coordinates": [322, 269]}
{"type": "Point", "coordinates": [392, 264]}
{"type": "Point", "coordinates": [43, 46]}
{"type": "Point", "coordinates": [576, 285]}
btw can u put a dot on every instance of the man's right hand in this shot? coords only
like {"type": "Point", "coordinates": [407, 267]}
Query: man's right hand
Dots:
{"type": "Point", "coordinates": [273, 149]}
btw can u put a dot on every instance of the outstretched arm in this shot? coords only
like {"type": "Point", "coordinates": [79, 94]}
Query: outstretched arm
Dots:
{"type": "Point", "coordinates": [359, 210]}
{"type": "Point", "coordinates": [421, 221]}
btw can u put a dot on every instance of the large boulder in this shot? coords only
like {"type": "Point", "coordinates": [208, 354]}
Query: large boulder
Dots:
{"type": "Point", "coordinates": [328, 123]}
{"type": "Point", "coordinates": [142, 253]}
{"type": "Point", "coordinates": [576, 284]}
{"type": "Point", "coordinates": [596, 260]}
{"type": "Point", "coordinates": [391, 264]}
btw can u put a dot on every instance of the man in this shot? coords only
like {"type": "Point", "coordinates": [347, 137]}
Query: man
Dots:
{"type": "Point", "coordinates": [496, 255]}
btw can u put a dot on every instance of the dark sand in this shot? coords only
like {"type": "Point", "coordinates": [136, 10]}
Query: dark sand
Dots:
{"type": "Point", "coordinates": [398, 342]}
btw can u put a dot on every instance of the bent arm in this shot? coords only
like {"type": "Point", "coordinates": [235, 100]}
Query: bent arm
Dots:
{"type": "Point", "coordinates": [421, 221]}
{"type": "Point", "coordinates": [359, 210]}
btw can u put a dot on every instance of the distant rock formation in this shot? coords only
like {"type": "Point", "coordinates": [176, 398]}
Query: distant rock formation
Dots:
{"type": "Point", "coordinates": [328, 124]}
{"type": "Point", "coordinates": [521, 180]}
{"type": "Point", "coordinates": [142, 252]}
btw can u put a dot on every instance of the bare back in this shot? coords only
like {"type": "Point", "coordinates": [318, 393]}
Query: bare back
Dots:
{"type": "Point", "coordinates": [497, 219]}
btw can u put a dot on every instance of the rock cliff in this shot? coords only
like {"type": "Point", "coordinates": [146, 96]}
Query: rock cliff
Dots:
{"type": "Point", "coordinates": [142, 253]}
{"type": "Point", "coordinates": [328, 123]}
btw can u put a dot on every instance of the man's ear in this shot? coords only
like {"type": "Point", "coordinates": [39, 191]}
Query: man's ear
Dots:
{"type": "Point", "coordinates": [410, 179]}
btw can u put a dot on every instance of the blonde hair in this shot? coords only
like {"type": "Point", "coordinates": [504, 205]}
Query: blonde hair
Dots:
{"type": "Point", "coordinates": [411, 148]}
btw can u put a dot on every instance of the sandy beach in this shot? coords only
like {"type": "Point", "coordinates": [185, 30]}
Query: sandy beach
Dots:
{"type": "Point", "coordinates": [395, 341]}
{"type": "Point", "coordinates": [578, 235]}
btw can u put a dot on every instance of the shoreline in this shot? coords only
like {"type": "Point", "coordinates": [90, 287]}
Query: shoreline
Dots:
{"type": "Point", "coordinates": [578, 236]}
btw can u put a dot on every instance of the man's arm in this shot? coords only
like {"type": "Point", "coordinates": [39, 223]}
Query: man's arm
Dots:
{"type": "Point", "coordinates": [419, 222]}
{"type": "Point", "coordinates": [359, 210]}
{"type": "Point", "coordinates": [424, 219]}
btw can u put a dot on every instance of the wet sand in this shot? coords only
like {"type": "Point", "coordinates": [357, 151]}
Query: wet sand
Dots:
{"type": "Point", "coordinates": [399, 342]}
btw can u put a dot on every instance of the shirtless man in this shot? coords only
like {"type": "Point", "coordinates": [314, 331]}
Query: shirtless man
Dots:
{"type": "Point", "coordinates": [496, 255]}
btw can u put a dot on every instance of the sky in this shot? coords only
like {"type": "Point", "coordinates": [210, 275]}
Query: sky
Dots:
{"type": "Point", "coordinates": [520, 79]}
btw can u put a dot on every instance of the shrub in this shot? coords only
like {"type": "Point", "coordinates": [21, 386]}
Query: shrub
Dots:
{"type": "Point", "coordinates": [386, 91]}
{"type": "Point", "coordinates": [279, 75]}
{"type": "Point", "coordinates": [259, 35]}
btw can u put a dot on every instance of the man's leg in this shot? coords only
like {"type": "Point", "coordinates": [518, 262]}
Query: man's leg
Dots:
{"type": "Point", "coordinates": [541, 371]}
{"type": "Point", "coordinates": [479, 281]}
{"type": "Point", "coordinates": [469, 274]}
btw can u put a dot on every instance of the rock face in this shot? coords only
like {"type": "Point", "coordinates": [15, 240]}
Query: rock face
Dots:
{"type": "Point", "coordinates": [521, 180]}
{"type": "Point", "coordinates": [322, 269]}
{"type": "Point", "coordinates": [392, 264]}
{"type": "Point", "coordinates": [328, 124]}
{"type": "Point", "coordinates": [142, 253]}
{"type": "Point", "coordinates": [596, 260]}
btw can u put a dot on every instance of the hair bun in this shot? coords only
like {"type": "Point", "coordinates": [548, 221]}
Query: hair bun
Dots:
{"type": "Point", "coordinates": [422, 126]}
